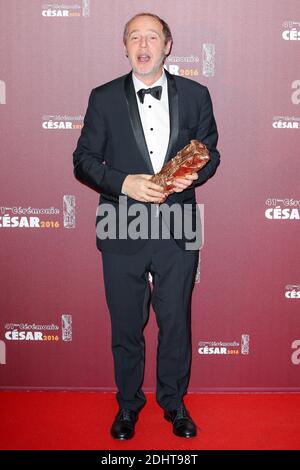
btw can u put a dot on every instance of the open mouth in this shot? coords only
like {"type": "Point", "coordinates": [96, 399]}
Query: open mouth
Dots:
{"type": "Point", "coordinates": [143, 58]}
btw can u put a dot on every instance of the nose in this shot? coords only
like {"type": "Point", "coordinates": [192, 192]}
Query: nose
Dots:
{"type": "Point", "coordinates": [143, 41]}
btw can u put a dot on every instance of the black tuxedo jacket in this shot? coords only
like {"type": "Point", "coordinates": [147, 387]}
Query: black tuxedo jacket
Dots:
{"type": "Point", "coordinates": [112, 145]}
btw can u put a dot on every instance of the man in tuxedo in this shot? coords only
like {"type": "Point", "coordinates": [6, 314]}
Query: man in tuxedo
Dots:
{"type": "Point", "coordinates": [133, 125]}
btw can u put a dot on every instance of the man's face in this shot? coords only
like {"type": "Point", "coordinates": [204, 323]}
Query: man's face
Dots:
{"type": "Point", "coordinates": [146, 47]}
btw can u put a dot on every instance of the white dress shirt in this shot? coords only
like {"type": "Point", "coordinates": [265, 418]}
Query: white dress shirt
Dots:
{"type": "Point", "coordinates": [155, 119]}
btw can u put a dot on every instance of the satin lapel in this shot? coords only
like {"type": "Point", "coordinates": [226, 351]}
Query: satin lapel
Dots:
{"type": "Point", "coordinates": [136, 121]}
{"type": "Point", "coordinates": [174, 114]}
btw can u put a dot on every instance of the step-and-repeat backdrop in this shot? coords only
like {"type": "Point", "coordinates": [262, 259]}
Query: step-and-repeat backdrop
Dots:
{"type": "Point", "coordinates": [55, 329]}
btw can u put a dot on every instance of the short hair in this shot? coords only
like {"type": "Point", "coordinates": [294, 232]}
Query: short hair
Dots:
{"type": "Point", "coordinates": [166, 30]}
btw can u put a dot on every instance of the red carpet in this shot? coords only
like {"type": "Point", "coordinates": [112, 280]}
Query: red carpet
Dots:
{"type": "Point", "coordinates": [76, 420]}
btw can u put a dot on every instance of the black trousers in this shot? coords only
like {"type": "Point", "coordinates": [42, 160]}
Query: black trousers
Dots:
{"type": "Point", "coordinates": [128, 296]}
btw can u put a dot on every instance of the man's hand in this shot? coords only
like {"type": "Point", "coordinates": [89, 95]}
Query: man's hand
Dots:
{"type": "Point", "coordinates": [180, 184]}
{"type": "Point", "coordinates": [140, 188]}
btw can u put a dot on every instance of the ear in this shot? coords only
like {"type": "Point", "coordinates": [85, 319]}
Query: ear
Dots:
{"type": "Point", "coordinates": [168, 48]}
{"type": "Point", "coordinates": [125, 50]}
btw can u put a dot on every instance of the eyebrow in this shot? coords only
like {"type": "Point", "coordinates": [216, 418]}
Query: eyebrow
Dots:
{"type": "Point", "coordinates": [138, 30]}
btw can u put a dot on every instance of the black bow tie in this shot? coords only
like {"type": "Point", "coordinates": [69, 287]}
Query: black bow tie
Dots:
{"type": "Point", "coordinates": [155, 92]}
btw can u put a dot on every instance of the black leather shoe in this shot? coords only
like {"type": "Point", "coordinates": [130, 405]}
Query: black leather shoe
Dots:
{"type": "Point", "coordinates": [183, 425]}
{"type": "Point", "coordinates": [124, 423]}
